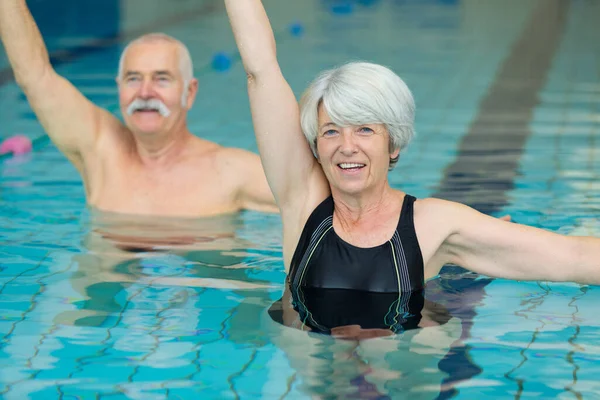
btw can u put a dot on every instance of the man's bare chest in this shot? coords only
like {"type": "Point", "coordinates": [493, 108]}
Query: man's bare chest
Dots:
{"type": "Point", "coordinates": [179, 191]}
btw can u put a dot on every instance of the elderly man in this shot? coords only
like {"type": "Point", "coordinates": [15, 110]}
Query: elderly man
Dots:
{"type": "Point", "coordinates": [152, 164]}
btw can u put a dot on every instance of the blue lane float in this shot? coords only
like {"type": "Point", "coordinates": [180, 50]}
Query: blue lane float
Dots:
{"type": "Point", "coordinates": [221, 61]}
{"type": "Point", "coordinates": [342, 8]}
{"type": "Point", "coordinates": [296, 29]}
{"type": "Point", "coordinates": [368, 3]}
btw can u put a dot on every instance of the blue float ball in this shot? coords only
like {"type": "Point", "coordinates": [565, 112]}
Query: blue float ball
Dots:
{"type": "Point", "coordinates": [221, 61]}
{"type": "Point", "coordinates": [296, 29]}
{"type": "Point", "coordinates": [342, 8]}
{"type": "Point", "coordinates": [368, 3]}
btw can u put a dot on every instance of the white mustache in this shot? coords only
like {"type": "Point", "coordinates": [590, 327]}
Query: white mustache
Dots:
{"type": "Point", "coordinates": [150, 104]}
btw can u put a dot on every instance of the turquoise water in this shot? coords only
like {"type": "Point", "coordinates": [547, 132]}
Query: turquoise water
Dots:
{"type": "Point", "coordinates": [96, 305]}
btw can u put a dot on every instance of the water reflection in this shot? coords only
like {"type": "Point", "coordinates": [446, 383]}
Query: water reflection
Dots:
{"type": "Point", "coordinates": [127, 260]}
{"type": "Point", "coordinates": [355, 314]}
{"type": "Point", "coordinates": [147, 278]}
{"type": "Point", "coordinates": [344, 343]}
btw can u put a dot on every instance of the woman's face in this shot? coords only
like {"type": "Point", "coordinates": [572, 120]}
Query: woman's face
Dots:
{"type": "Point", "coordinates": [354, 158]}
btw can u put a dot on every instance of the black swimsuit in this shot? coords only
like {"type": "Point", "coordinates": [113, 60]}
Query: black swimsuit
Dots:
{"type": "Point", "coordinates": [334, 283]}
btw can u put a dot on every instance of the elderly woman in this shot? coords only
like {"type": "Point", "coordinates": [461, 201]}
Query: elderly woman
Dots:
{"type": "Point", "coordinates": [344, 227]}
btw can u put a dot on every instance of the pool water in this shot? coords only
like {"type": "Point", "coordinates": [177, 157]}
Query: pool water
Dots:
{"type": "Point", "coordinates": [101, 305]}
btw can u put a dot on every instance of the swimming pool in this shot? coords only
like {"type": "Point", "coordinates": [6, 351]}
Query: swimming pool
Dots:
{"type": "Point", "coordinates": [84, 318]}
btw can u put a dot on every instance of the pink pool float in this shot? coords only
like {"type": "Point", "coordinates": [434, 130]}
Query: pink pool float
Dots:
{"type": "Point", "coordinates": [17, 145]}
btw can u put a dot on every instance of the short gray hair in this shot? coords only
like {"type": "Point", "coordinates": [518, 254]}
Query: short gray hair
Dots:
{"type": "Point", "coordinates": [186, 67]}
{"type": "Point", "coordinates": [360, 93]}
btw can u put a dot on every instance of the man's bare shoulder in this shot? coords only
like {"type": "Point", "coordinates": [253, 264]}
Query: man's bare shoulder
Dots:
{"type": "Point", "coordinates": [233, 157]}
{"type": "Point", "coordinates": [235, 152]}
{"type": "Point", "coordinates": [229, 160]}
{"type": "Point", "coordinates": [239, 166]}
{"type": "Point", "coordinates": [202, 150]}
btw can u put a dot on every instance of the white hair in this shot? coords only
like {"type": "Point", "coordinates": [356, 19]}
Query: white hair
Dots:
{"type": "Point", "coordinates": [359, 93]}
{"type": "Point", "coordinates": [186, 67]}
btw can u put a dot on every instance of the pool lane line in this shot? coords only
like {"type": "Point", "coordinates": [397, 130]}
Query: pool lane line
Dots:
{"type": "Point", "coordinates": [487, 160]}
{"type": "Point", "coordinates": [495, 143]}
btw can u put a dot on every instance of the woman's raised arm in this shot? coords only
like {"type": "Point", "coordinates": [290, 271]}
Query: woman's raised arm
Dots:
{"type": "Point", "coordinates": [291, 169]}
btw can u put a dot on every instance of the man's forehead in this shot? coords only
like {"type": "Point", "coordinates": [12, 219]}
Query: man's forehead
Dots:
{"type": "Point", "coordinates": [152, 56]}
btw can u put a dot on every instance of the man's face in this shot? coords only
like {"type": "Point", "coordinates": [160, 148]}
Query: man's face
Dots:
{"type": "Point", "coordinates": [152, 93]}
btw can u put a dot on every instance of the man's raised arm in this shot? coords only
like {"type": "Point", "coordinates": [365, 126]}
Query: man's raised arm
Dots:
{"type": "Point", "coordinates": [69, 118]}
